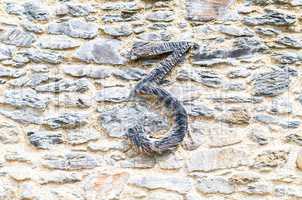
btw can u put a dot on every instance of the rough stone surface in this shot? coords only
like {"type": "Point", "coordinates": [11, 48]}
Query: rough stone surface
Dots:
{"type": "Point", "coordinates": [44, 140]}
{"type": "Point", "coordinates": [214, 185]}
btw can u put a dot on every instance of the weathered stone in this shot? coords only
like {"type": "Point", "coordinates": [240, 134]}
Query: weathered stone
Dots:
{"type": "Point", "coordinates": [7, 190]}
{"type": "Point", "coordinates": [270, 159]}
{"type": "Point", "coordinates": [240, 73]}
{"type": "Point", "coordinates": [139, 162]}
{"type": "Point", "coordinates": [59, 177]}
{"type": "Point", "coordinates": [17, 156]}
{"type": "Point", "coordinates": [260, 135]}
{"type": "Point", "coordinates": [17, 37]}
{"type": "Point", "coordinates": [13, 8]}
{"type": "Point", "coordinates": [206, 10]}
{"type": "Point", "coordinates": [74, 28]}
{"type": "Point", "coordinates": [58, 42]}
{"type": "Point", "coordinates": [271, 17]}
{"type": "Point", "coordinates": [294, 138]}
{"type": "Point", "coordinates": [76, 10]}
{"type": "Point", "coordinates": [170, 161]}
{"type": "Point", "coordinates": [212, 185]}
{"type": "Point", "coordinates": [242, 46]}
{"type": "Point", "coordinates": [134, 74]}
{"type": "Point", "coordinates": [99, 185]}
{"type": "Point", "coordinates": [235, 115]}
{"type": "Point", "coordinates": [32, 27]}
{"type": "Point", "coordinates": [20, 173]}
{"type": "Point", "coordinates": [9, 133]}
{"type": "Point", "coordinates": [236, 31]}
{"type": "Point", "coordinates": [296, 2]}
{"type": "Point", "coordinates": [215, 159]}
{"type": "Point", "coordinates": [118, 120]}
{"type": "Point", "coordinates": [271, 83]}
{"type": "Point", "coordinates": [35, 11]}
{"type": "Point", "coordinates": [31, 80]}
{"type": "Point", "coordinates": [80, 85]}
{"type": "Point", "coordinates": [207, 78]}
{"type": "Point", "coordinates": [160, 181]}
{"type": "Point", "coordinates": [23, 116]}
{"type": "Point", "coordinates": [161, 16]}
{"type": "Point", "coordinates": [44, 56]}
{"type": "Point", "coordinates": [288, 57]}
{"type": "Point", "coordinates": [66, 120]}
{"type": "Point", "coordinates": [267, 31]}
{"type": "Point", "coordinates": [268, 2]}
{"type": "Point", "coordinates": [155, 37]}
{"type": "Point", "coordinates": [117, 31]}
{"type": "Point", "coordinates": [259, 188]}
{"type": "Point", "coordinates": [70, 161]}
{"type": "Point", "coordinates": [236, 86]}
{"type": "Point", "coordinates": [268, 119]}
{"type": "Point", "coordinates": [84, 71]}
{"type": "Point", "coordinates": [11, 73]}
{"type": "Point", "coordinates": [130, 6]}
{"type": "Point", "coordinates": [120, 17]}
{"type": "Point", "coordinates": [101, 51]}
{"type": "Point", "coordinates": [281, 106]}
{"type": "Point", "coordinates": [113, 94]}
{"type": "Point", "coordinates": [25, 98]}
{"type": "Point", "coordinates": [73, 101]}
{"type": "Point", "coordinates": [44, 139]}
{"type": "Point", "coordinates": [244, 178]}
{"type": "Point", "coordinates": [236, 99]}
{"type": "Point", "coordinates": [290, 41]}
{"type": "Point", "coordinates": [81, 136]}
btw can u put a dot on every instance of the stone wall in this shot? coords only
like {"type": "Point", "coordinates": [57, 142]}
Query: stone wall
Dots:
{"type": "Point", "coordinates": [64, 85]}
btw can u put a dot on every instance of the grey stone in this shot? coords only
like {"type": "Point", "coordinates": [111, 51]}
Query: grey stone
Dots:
{"type": "Point", "coordinates": [236, 31]}
{"type": "Point", "coordinates": [207, 78]}
{"type": "Point", "coordinates": [66, 120]}
{"type": "Point", "coordinates": [17, 37]}
{"type": "Point", "coordinates": [75, 10]}
{"type": "Point", "coordinates": [236, 86]}
{"type": "Point", "coordinates": [23, 116]}
{"type": "Point", "coordinates": [13, 8]}
{"type": "Point", "coordinates": [160, 181]}
{"type": "Point", "coordinates": [197, 109]}
{"type": "Point", "coordinates": [6, 52]}
{"type": "Point", "coordinates": [58, 42]}
{"type": "Point", "coordinates": [281, 106]}
{"type": "Point", "coordinates": [35, 11]}
{"type": "Point", "coordinates": [44, 139]}
{"type": "Point", "coordinates": [124, 6]}
{"type": "Point", "coordinates": [9, 133]}
{"type": "Point", "coordinates": [11, 73]}
{"type": "Point", "coordinates": [117, 31]}
{"type": "Point", "coordinates": [155, 37]}
{"type": "Point", "coordinates": [83, 71]}
{"type": "Point", "coordinates": [242, 46]}
{"type": "Point", "coordinates": [170, 161]}
{"type": "Point", "coordinates": [287, 191]}
{"type": "Point", "coordinates": [161, 16]}
{"type": "Point", "coordinates": [139, 162]}
{"type": "Point", "coordinates": [80, 85]}
{"type": "Point", "coordinates": [32, 27]}
{"type": "Point", "coordinates": [25, 98]}
{"type": "Point", "coordinates": [215, 159]}
{"type": "Point", "coordinates": [268, 2]}
{"type": "Point", "coordinates": [74, 28]}
{"type": "Point", "coordinates": [270, 159]}
{"type": "Point", "coordinates": [81, 136]}
{"type": "Point", "coordinates": [235, 99]}
{"type": "Point", "coordinates": [31, 80]}
{"type": "Point", "coordinates": [110, 18]}
{"type": "Point", "coordinates": [212, 185]}
{"type": "Point", "coordinates": [271, 83]}
{"type": "Point", "coordinates": [267, 31]}
{"type": "Point", "coordinates": [239, 73]}
{"type": "Point", "coordinates": [101, 51]}
{"type": "Point", "coordinates": [134, 74]}
{"type": "Point", "coordinates": [44, 56]}
{"type": "Point", "coordinates": [268, 119]}
{"type": "Point", "coordinates": [118, 120]}
{"type": "Point", "coordinates": [113, 94]}
{"type": "Point", "coordinates": [290, 41]}
{"type": "Point", "coordinates": [70, 161]}
{"type": "Point", "coordinates": [288, 57]}
{"type": "Point", "coordinates": [271, 17]}
{"type": "Point", "coordinates": [259, 188]}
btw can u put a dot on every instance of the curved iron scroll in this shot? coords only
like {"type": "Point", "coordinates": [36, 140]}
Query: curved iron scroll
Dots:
{"type": "Point", "coordinates": [149, 86]}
